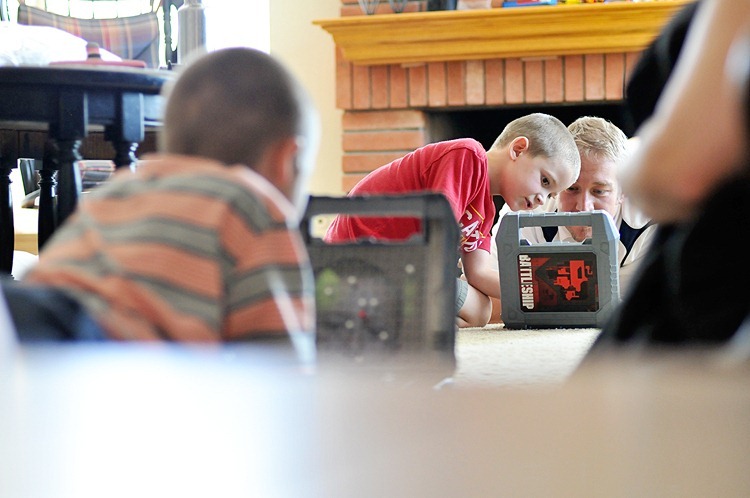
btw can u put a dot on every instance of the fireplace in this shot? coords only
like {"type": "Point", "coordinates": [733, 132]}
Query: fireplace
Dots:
{"type": "Point", "coordinates": [445, 82]}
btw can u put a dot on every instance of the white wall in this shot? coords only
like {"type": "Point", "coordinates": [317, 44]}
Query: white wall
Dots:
{"type": "Point", "coordinates": [306, 49]}
{"type": "Point", "coordinates": [309, 52]}
{"type": "Point", "coordinates": [238, 23]}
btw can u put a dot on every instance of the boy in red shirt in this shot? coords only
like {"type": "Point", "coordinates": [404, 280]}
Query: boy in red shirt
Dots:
{"type": "Point", "coordinates": [534, 158]}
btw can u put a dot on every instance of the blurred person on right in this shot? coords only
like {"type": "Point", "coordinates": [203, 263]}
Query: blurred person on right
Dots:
{"type": "Point", "coordinates": [697, 137]}
{"type": "Point", "coordinates": [691, 174]}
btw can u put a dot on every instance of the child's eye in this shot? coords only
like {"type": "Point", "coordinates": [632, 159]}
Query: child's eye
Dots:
{"type": "Point", "coordinates": [545, 181]}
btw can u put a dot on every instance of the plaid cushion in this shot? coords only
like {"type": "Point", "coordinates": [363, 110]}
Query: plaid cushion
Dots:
{"type": "Point", "coordinates": [134, 37]}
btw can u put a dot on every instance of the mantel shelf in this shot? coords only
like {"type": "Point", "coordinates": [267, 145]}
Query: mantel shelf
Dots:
{"type": "Point", "coordinates": [527, 32]}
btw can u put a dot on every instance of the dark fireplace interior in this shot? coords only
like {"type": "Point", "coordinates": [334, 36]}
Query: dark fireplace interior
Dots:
{"type": "Point", "coordinates": [486, 124]}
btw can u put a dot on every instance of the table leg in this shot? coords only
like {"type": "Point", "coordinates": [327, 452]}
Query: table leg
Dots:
{"type": "Point", "coordinates": [128, 130]}
{"type": "Point", "coordinates": [47, 193]}
{"type": "Point", "coordinates": [68, 179]}
{"type": "Point", "coordinates": [8, 159]}
{"type": "Point", "coordinates": [124, 153]}
{"type": "Point", "coordinates": [7, 229]}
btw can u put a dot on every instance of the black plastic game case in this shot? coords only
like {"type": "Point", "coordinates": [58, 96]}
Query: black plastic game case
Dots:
{"type": "Point", "coordinates": [558, 284]}
{"type": "Point", "coordinates": [377, 298]}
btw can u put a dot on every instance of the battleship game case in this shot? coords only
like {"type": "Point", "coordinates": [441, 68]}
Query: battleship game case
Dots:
{"type": "Point", "coordinates": [557, 284]}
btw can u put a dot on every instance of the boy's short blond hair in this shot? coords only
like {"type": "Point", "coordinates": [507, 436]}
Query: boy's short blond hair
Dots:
{"type": "Point", "coordinates": [548, 137]}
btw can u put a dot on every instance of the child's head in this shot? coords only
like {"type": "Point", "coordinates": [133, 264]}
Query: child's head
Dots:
{"type": "Point", "coordinates": [543, 157]}
{"type": "Point", "coordinates": [547, 135]}
{"type": "Point", "coordinates": [242, 106]}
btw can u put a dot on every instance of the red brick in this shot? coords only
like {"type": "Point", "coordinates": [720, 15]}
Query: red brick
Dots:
{"type": "Point", "coordinates": [553, 80]}
{"type": "Point", "coordinates": [383, 140]}
{"type": "Point", "coordinates": [614, 76]}
{"type": "Point", "coordinates": [364, 163]}
{"type": "Point", "coordinates": [418, 86]}
{"type": "Point", "coordinates": [475, 83]}
{"type": "Point", "coordinates": [361, 87]}
{"type": "Point", "coordinates": [436, 84]}
{"type": "Point", "coordinates": [514, 81]}
{"type": "Point", "coordinates": [379, 79]}
{"type": "Point", "coordinates": [631, 59]}
{"type": "Point", "coordinates": [594, 74]}
{"type": "Point", "coordinates": [399, 96]}
{"type": "Point", "coordinates": [343, 82]}
{"type": "Point", "coordinates": [533, 71]}
{"type": "Point", "coordinates": [456, 78]}
{"type": "Point", "coordinates": [494, 78]}
{"type": "Point", "coordinates": [383, 120]}
{"type": "Point", "coordinates": [573, 71]}
{"type": "Point", "coordinates": [349, 181]}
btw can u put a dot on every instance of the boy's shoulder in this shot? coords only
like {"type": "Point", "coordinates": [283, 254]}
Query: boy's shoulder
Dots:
{"type": "Point", "coordinates": [455, 144]}
{"type": "Point", "coordinates": [463, 142]}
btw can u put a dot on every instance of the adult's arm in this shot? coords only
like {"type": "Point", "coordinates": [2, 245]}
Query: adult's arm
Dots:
{"type": "Point", "coordinates": [696, 137]}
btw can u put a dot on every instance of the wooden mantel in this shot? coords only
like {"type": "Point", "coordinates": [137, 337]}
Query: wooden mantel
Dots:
{"type": "Point", "coordinates": [541, 31]}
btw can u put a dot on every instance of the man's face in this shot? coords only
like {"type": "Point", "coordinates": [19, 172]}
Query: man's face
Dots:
{"type": "Point", "coordinates": [596, 188]}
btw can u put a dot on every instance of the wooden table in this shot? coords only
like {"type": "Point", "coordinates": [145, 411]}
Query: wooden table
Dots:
{"type": "Point", "coordinates": [68, 101]}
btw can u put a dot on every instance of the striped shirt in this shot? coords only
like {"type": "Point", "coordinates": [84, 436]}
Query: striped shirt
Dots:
{"type": "Point", "coordinates": [184, 249]}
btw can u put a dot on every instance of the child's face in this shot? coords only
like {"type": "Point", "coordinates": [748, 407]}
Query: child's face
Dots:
{"type": "Point", "coordinates": [533, 180]}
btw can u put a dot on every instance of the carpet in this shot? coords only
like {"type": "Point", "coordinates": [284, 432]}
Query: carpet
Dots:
{"type": "Point", "coordinates": [495, 356]}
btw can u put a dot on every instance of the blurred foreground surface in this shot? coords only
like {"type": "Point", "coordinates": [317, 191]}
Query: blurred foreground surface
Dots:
{"type": "Point", "coordinates": [128, 420]}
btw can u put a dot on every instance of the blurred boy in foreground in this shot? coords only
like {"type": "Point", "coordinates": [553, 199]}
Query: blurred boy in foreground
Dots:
{"type": "Point", "coordinates": [201, 243]}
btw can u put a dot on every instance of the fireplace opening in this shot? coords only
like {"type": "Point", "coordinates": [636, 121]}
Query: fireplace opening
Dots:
{"type": "Point", "coordinates": [486, 124]}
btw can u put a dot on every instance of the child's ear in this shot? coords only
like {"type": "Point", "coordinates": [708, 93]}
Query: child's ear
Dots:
{"type": "Point", "coordinates": [518, 146]}
{"type": "Point", "coordinates": [280, 165]}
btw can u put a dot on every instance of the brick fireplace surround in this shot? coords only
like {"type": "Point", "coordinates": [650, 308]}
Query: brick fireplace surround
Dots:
{"type": "Point", "coordinates": [387, 106]}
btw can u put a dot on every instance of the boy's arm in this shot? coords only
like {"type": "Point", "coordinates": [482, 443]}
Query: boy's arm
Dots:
{"type": "Point", "coordinates": [480, 269]}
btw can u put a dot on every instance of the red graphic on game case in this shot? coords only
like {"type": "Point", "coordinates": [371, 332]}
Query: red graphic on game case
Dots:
{"type": "Point", "coordinates": [558, 282]}
{"type": "Point", "coordinates": [572, 278]}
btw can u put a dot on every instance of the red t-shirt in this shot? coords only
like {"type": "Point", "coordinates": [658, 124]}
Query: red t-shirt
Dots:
{"type": "Point", "coordinates": [455, 168]}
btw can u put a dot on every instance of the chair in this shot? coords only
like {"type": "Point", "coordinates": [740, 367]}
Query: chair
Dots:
{"type": "Point", "coordinates": [128, 28]}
